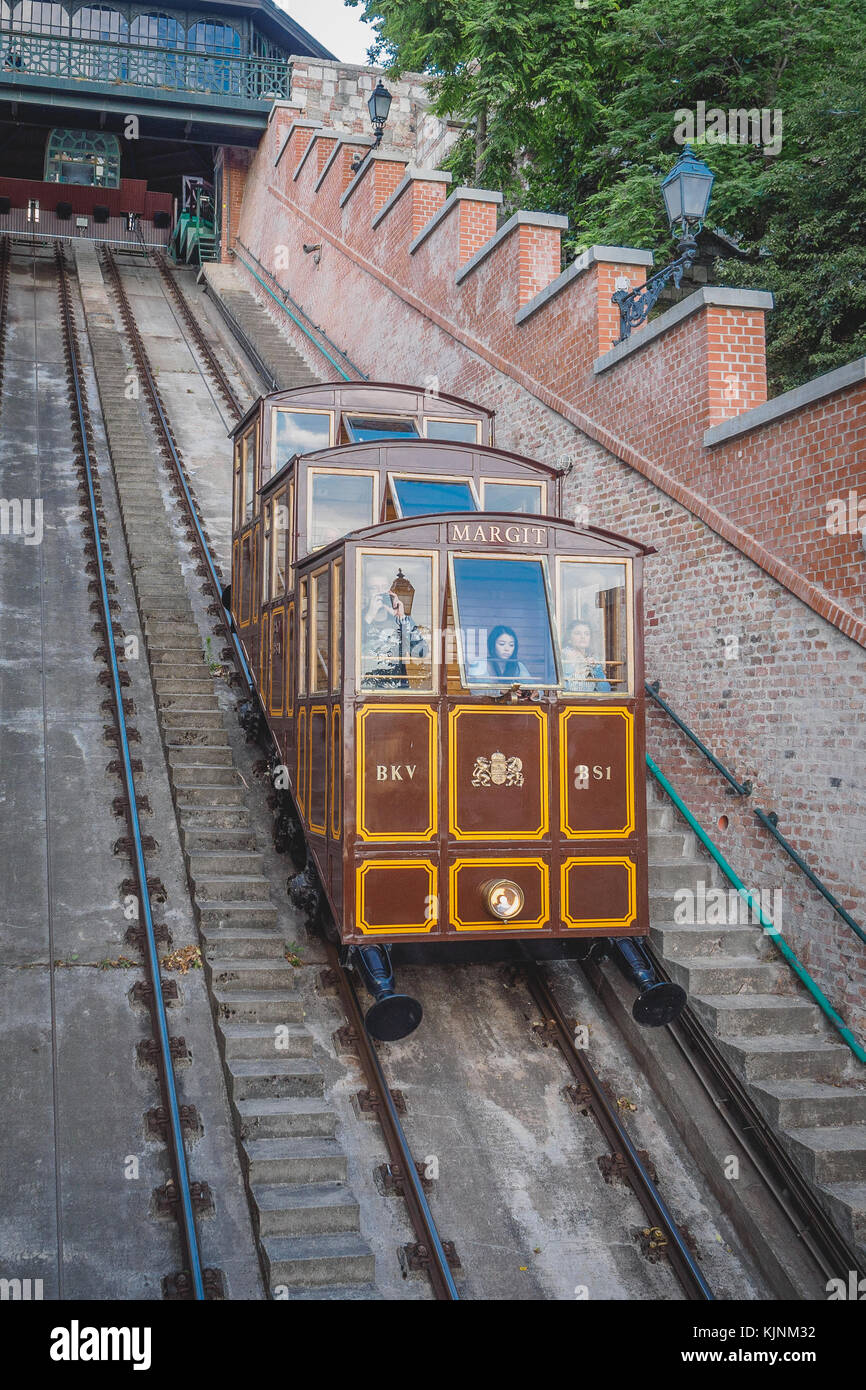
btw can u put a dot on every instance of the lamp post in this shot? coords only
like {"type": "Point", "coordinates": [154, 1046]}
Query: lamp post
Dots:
{"type": "Point", "coordinates": [686, 192]}
{"type": "Point", "coordinates": [379, 106]}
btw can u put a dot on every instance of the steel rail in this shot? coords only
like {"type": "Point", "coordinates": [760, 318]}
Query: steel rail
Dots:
{"type": "Point", "coordinates": [158, 1012]}
{"type": "Point", "coordinates": [423, 1224]}
{"type": "Point", "coordinates": [657, 1211]}
{"type": "Point", "coordinates": [214, 366]}
{"type": "Point", "coordinates": [173, 455]}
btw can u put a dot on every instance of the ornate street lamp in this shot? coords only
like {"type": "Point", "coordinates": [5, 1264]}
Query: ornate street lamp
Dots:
{"type": "Point", "coordinates": [686, 192]}
{"type": "Point", "coordinates": [379, 105]}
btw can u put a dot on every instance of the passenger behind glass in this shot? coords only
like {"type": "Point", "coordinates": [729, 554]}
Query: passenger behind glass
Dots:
{"type": "Point", "coordinates": [388, 636]}
{"type": "Point", "coordinates": [580, 671]}
{"type": "Point", "coordinates": [502, 663]}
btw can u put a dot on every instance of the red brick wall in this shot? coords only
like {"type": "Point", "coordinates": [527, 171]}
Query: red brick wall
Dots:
{"type": "Point", "coordinates": [746, 615]}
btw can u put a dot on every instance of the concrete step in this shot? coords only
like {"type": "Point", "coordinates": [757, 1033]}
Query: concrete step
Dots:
{"type": "Point", "coordinates": [724, 974]}
{"type": "Point", "coordinates": [214, 755]}
{"type": "Point", "coordinates": [847, 1204]}
{"type": "Point", "coordinates": [336, 1293]}
{"type": "Point", "coordinates": [205, 841]}
{"type": "Point", "coordinates": [257, 1079]}
{"type": "Point", "coordinates": [204, 774]}
{"type": "Point", "coordinates": [178, 738]}
{"type": "Point", "coordinates": [236, 914]}
{"type": "Point", "coordinates": [659, 817]}
{"type": "Point", "coordinates": [341, 1258]}
{"type": "Point", "coordinates": [229, 888]}
{"type": "Point", "coordinates": [308, 1209]}
{"type": "Point", "coordinates": [289, 1118]}
{"type": "Point", "coordinates": [302, 1160]}
{"type": "Point", "coordinates": [209, 795]}
{"type": "Point", "coordinates": [183, 685]}
{"type": "Point", "coordinates": [786, 1057]}
{"type": "Point", "coordinates": [185, 717]}
{"type": "Point", "coordinates": [798, 1104]}
{"type": "Point", "coordinates": [688, 939]}
{"type": "Point", "coordinates": [199, 702]}
{"type": "Point", "coordinates": [223, 862]}
{"type": "Point", "coordinates": [216, 818]}
{"type": "Point", "coordinates": [752, 1015]}
{"type": "Point", "coordinates": [831, 1154]}
{"type": "Point", "coordinates": [230, 943]}
{"type": "Point", "coordinates": [266, 1040]}
{"type": "Point", "coordinates": [667, 845]}
{"type": "Point", "coordinates": [258, 1005]}
{"type": "Point", "coordinates": [228, 974]}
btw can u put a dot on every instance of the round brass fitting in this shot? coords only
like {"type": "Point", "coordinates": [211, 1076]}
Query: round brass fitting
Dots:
{"type": "Point", "coordinates": [503, 898]}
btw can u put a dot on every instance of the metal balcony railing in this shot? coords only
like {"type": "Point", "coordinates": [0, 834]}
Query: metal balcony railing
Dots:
{"type": "Point", "coordinates": [24, 55]}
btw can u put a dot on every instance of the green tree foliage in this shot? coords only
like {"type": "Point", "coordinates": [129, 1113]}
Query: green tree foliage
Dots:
{"type": "Point", "coordinates": [571, 107]}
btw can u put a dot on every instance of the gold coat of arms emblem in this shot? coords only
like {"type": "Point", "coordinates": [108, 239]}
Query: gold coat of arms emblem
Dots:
{"type": "Point", "coordinates": [497, 771]}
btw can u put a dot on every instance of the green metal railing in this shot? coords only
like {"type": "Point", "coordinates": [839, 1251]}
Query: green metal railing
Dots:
{"type": "Point", "coordinates": [741, 788]}
{"type": "Point", "coordinates": [759, 916]}
{"type": "Point", "coordinates": [26, 55]}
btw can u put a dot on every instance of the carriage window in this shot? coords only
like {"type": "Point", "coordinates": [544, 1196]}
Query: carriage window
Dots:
{"type": "Point", "coordinates": [593, 611]}
{"type": "Point", "coordinates": [302, 641]}
{"type": "Point", "coordinates": [319, 632]}
{"type": "Point", "coordinates": [362, 427]}
{"type": "Point", "coordinates": [249, 457]}
{"type": "Point", "coordinates": [266, 554]}
{"type": "Point", "coordinates": [298, 432]}
{"type": "Point", "coordinates": [337, 631]}
{"type": "Point", "coordinates": [464, 431]}
{"type": "Point", "coordinates": [340, 503]}
{"type": "Point", "coordinates": [280, 531]}
{"type": "Point", "coordinates": [504, 630]}
{"type": "Point", "coordinates": [423, 496]}
{"type": "Point", "coordinates": [238, 492]}
{"type": "Point", "coordinates": [395, 621]}
{"type": "Point", "coordinates": [513, 497]}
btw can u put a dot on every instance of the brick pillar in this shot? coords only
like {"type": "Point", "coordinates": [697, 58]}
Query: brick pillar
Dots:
{"type": "Point", "coordinates": [736, 361]}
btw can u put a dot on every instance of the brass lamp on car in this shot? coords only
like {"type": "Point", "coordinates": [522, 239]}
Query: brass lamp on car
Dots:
{"type": "Point", "coordinates": [503, 898]}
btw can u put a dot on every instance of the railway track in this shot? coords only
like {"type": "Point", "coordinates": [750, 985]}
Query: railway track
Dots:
{"type": "Point", "coordinates": [431, 1253]}
{"type": "Point", "coordinates": [180, 1194]}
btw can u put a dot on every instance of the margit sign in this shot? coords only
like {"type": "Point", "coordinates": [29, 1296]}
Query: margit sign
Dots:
{"type": "Point", "coordinates": [476, 532]}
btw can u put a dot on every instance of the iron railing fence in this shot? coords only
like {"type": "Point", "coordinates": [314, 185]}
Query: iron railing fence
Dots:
{"type": "Point", "coordinates": [253, 78]}
{"type": "Point", "coordinates": [19, 222]}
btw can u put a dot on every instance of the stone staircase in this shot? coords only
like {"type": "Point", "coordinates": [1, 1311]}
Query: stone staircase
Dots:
{"type": "Point", "coordinates": [305, 1216]}
{"type": "Point", "coordinates": [800, 1073]}
{"type": "Point", "coordinates": [284, 362]}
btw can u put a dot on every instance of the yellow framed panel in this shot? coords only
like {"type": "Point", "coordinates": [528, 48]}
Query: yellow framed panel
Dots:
{"type": "Point", "coordinates": [561, 561]}
{"type": "Point", "coordinates": [264, 660]}
{"type": "Point", "coordinates": [273, 614]}
{"type": "Point", "coordinates": [430, 923]}
{"type": "Point", "coordinates": [289, 693]}
{"type": "Point", "coordinates": [336, 780]}
{"type": "Point", "coordinates": [502, 712]}
{"type": "Point", "coordinates": [599, 924]}
{"type": "Point", "coordinates": [314, 710]}
{"type": "Point", "coordinates": [360, 763]}
{"type": "Point", "coordinates": [501, 866]}
{"type": "Point", "coordinates": [617, 832]}
{"type": "Point", "coordinates": [394, 556]}
{"type": "Point", "coordinates": [313, 683]}
{"type": "Point", "coordinates": [301, 766]}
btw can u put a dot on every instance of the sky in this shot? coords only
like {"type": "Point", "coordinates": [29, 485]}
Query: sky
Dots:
{"type": "Point", "coordinates": [334, 24]}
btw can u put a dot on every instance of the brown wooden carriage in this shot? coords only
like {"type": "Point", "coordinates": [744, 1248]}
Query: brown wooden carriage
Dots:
{"type": "Point", "coordinates": [458, 777]}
